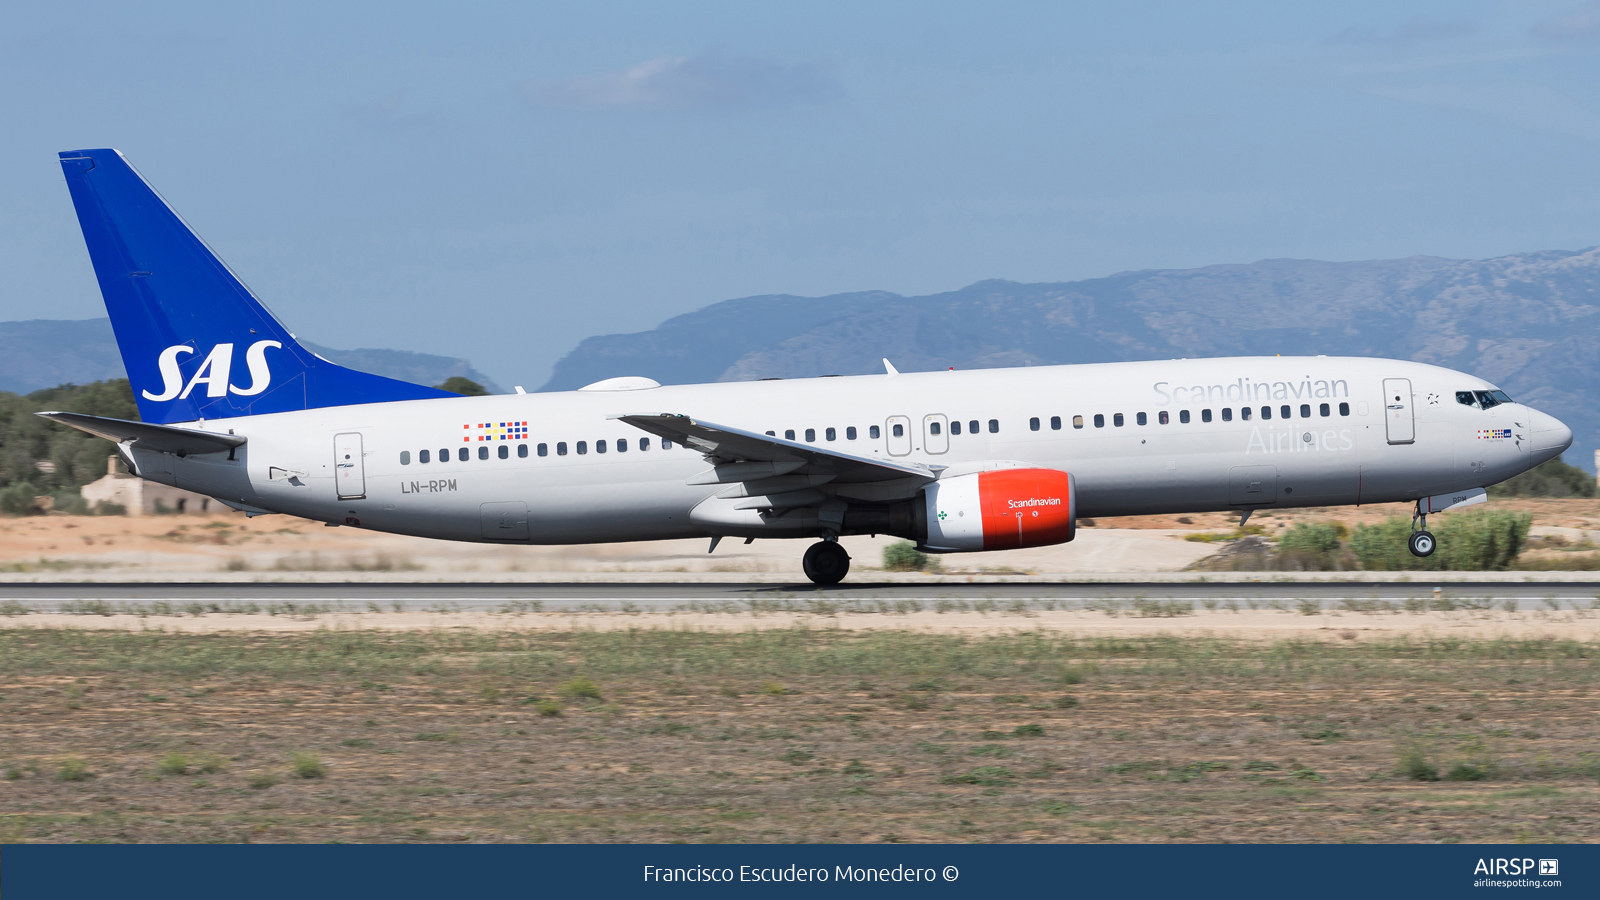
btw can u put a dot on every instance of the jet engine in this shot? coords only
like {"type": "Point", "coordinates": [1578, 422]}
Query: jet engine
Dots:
{"type": "Point", "coordinates": [1000, 510]}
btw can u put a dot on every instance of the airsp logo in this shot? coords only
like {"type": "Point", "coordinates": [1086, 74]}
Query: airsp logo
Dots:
{"type": "Point", "coordinates": [214, 372]}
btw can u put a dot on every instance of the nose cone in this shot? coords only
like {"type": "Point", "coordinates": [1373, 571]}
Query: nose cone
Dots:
{"type": "Point", "coordinates": [1550, 436]}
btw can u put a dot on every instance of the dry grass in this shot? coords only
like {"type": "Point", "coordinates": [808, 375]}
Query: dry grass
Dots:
{"type": "Point", "coordinates": [794, 735]}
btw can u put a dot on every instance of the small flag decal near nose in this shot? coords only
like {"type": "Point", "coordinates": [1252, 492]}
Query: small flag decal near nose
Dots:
{"type": "Point", "coordinates": [495, 431]}
{"type": "Point", "coordinates": [1492, 434]}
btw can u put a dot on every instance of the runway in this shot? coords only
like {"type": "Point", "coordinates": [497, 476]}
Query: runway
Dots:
{"type": "Point", "coordinates": [664, 596]}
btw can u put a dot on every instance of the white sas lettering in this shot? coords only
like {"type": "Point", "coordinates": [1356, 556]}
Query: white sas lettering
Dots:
{"type": "Point", "coordinates": [171, 378]}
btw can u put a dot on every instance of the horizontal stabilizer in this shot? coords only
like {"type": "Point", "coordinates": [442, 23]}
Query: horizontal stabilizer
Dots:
{"type": "Point", "coordinates": [162, 438]}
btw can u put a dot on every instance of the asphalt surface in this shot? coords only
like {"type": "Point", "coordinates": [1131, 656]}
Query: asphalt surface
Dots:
{"type": "Point", "coordinates": [478, 595]}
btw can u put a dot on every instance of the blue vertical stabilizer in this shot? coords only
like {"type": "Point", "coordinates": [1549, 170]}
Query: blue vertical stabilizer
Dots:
{"type": "Point", "coordinates": [197, 344]}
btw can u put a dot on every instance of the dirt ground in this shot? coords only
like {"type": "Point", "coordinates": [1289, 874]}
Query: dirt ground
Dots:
{"type": "Point", "coordinates": [282, 548]}
{"type": "Point", "coordinates": [792, 735]}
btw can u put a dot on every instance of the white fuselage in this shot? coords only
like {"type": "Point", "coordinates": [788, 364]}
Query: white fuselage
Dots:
{"type": "Point", "coordinates": [1346, 451]}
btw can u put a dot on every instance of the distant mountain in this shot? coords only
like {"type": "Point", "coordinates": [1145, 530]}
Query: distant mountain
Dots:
{"type": "Point", "coordinates": [1529, 322]}
{"type": "Point", "coordinates": [41, 353]}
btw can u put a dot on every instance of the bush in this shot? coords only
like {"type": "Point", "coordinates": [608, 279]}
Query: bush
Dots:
{"type": "Point", "coordinates": [1414, 765]}
{"type": "Point", "coordinates": [1311, 547]}
{"type": "Point", "coordinates": [74, 769]}
{"type": "Point", "coordinates": [1550, 479]}
{"type": "Point", "coordinates": [173, 763]}
{"type": "Point", "coordinates": [263, 781]}
{"type": "Point", "coordinates": [466, 387]}
{"type": "Point", "coordinates": [581, 687]}
{"type": "Point", "coordinates": [307, 765]}
{"type": "Point", "coordinates": [1480, 540]}
{"type": "Point", "coordinates": [547, 708]}
{"type": "Point", "coordinates": [903, 556]}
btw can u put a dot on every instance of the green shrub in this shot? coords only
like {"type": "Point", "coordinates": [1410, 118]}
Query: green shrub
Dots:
{"type": "Point", "coordinates": [903, 556]}
{"type": "Point", "coordinates": [1311, 547]}
{"type": "Point", "coordinates": [581, 687]}
{"type": "Point", "coordinates": [74, 769]}
{"type": "Point", "coordinates": [991, 776]}
{"type": "Point", "coordinates": [173, 763]}
{"type": "Point", "coordinates": [307, 765]}
{"type": "Point", "coordinates": [547, 708]}
{"type": "Point", "coordinates": [1414, 765]}
{"type": "Point", "coordinates": [262, 781]}
{"type": "Point", "coordinates": [1549, 479]}
{"type": "Point", "coordinates": [1479, 540]}
{"type": "Point", "coordinates": [1465, 772]}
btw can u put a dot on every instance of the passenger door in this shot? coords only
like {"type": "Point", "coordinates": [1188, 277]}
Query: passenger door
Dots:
{"type": "Point", "coordinates": [897, 432]}
{"type": "Point", "coordinates": [1397, 416]}
{"type": "Point", "coordinates": [349, 472]}
{"type": "Point", "coordinates": [505, 520]}
{"type": "Point", "coordinates": [935, 433]}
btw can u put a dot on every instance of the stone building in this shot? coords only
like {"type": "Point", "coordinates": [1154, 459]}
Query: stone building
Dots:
{"type": "Point", "coordinates": [144, 498]}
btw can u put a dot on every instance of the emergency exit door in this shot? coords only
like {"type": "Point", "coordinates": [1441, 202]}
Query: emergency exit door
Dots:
{"type": "Point", "coordinates": [898, 434]}
{"type": "Point", "coordinates": [1397, 410]}
{"type": "Point", "coordinates": [349, 472]}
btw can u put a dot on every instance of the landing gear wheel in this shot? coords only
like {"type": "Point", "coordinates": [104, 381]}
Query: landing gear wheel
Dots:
{"type": "Point", "coordinates": [1422, 543]}
{"type": "Point", "coordinates": [826, 563]}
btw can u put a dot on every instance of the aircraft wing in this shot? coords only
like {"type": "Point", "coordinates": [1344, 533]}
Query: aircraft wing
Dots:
{"type": "Point", "coordinates": [740, 455]}
{"type": "Point", "coordinates": [164, 438]}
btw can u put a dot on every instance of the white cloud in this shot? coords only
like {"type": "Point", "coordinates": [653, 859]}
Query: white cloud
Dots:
{"type": "Point", "coordinates": [705, 81]}
{"type": "Point", "coordinates": [1579, 24]}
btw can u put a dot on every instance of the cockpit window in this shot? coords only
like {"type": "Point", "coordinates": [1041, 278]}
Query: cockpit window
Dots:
{"type": "Point", "coordinates": [1466, 398]}
{"type": "Point", "coordinates": [1501, 396]}
{"type": "Point", "coordinates": [1487, 399]}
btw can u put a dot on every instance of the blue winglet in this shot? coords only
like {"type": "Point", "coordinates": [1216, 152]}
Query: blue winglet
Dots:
{"type": "Point", "coordinates": [197, 344]}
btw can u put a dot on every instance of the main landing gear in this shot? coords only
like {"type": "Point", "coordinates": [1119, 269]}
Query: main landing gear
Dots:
{"type": "Point", "coordinates": [1422, 541]}
{"type": "Point", "coordinates": [826, 562]}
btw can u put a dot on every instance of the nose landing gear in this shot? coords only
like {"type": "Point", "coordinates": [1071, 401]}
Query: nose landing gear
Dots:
{"type": "Point", "coordinates": [826, 562]}
{"type": "Point", "coordinates": [1422, 541]}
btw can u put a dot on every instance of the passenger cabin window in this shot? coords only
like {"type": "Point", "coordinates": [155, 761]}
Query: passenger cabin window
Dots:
{"type": "Point", "coordinates": [955, 427]}
{"type": "Point", "coordinates": [561, 448]}
{"type": "Point", "coordinates": [1116, 419]}
{"type": "Point", "coordinates": [1266, 412]}
{"type": "Point", "coordinates": [1285, 412]}
{"type": "Point", "coordinates": [1099, 420]}
{"type": "Point", "coordinates": [666, 444]}
{"type": "Point", "coordinates": [832, 435]}
{"type": "Point", "coordinates": [972, 427]}
{"type": "Point", "coordinates": [522, 451]}
{"type": "Point", "coordinates": [1162, 417]}
{"type": "Point", "coordinates": [811, 435]}
{"type": "Point", "coordinates": [1055, 423]}
{"type": "Point", "coordinates": [599, 446]}
{"type": "Point", "coordinates": [644, 444]}
{"type": "Point", "coordinates": [622, 445]}
{"type": "Point", "coordinates": [899, 430]}
{"type": "Point", "coordinates": [505, 452]}
{"type": "Point", "coordinates": [544, 449]}
{"type": "Point", "coordinates": [1033, 424]}
{"type": "Point", "coordinates": [462, 453]}
{"type": "Point", "coordinates": [1205, 415]}
{"type": "Point", "coordinates": [405, 457]}
{"type": "Point", "coordinates": [1344, 409]}
{"type": "Point", "coordinates": [1141, 418]}
{"type": "Point", "coordinates": [1305, 410]}
{"type": "Point", "coordinates": [994, 426]}
{"type": "Point", "coordinates": [1077, 421]}
{"type": "Point", "coordinates": [422, 456]}
{"type": "Point", "coordinates": [788, 434]}
{"type": "Point", "coordinates": [874, 432]}
{"type": "Point", "coordinates": [1227, 414]}
{"type": "Point", "coordinates": [483, 452]}
{"type": "Point", "coordinates": [1324, 410]}
{"type": "Point", "coordinates": [933, 428]}
{"type": "Point", "coordinates": [850, 433]}
{"type": "Point", "coordinates": [1183, 416]}
{"type": "Point", "coordinates": [582, 448]}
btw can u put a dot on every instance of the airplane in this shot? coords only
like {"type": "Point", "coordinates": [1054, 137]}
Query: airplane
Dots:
{"type": "Point", "coordinates": [233, 406]}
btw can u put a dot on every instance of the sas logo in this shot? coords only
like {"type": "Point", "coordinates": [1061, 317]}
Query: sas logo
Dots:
{"type": "Point", "coordinates": [214, 373]}
{"type": "Point", "coordinates": [1493, 434]}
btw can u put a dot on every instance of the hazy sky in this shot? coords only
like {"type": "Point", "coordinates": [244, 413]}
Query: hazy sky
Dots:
{"type": "Point", "coordinates": [499, 182]}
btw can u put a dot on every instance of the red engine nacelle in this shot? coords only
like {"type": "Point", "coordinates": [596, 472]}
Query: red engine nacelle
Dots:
{"type": "Point", "coordinates": [1002, 509]}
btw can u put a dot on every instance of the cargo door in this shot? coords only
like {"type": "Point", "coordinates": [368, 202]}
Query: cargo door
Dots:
{"type": "Point", "coordinates": [1252, 485]}
{"type": "Point", "coordinates": [1397, 410]}
{"type": "Point", "coordinates": [349, 472]}
{"type": "Point", "coordinates": [897, 432]}
{"type": "Point", "coordinates": [505, 520]}
{"type": "Point", "coordinates": [935, 434]}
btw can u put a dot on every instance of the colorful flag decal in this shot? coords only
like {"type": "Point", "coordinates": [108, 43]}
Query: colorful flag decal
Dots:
{"type": "Point", "coordinates": [495, 431]}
